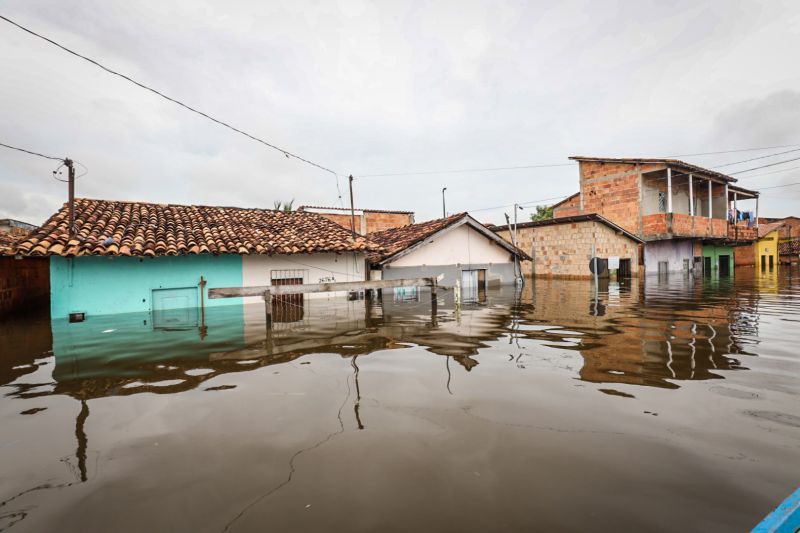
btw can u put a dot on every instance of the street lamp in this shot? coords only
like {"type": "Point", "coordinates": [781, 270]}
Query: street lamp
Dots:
{"type": "Point", "coordinates": [444, 211]}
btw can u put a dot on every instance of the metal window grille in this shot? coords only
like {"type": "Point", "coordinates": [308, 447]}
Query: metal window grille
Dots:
{"type": "Point", "coordinates": [662, 202]}
{"type": "Point", "coordinates": [288, 308]}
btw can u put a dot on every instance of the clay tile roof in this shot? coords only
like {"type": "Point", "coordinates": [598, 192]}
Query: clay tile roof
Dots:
{"type": "Point", "coordinates": [791, 247]}
{"type": "Point", "coordinates": [8, 242]}
{"type": "Point", "coordinates": [104, 227]}
{"type": "Point", "coordinates": [397, 239]}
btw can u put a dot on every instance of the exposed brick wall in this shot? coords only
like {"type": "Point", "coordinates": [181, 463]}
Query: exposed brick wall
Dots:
{"type": "Point", "coordinates": [613, 190]}
{"type": "Point", "coordinates": [569, 208]}
{"type": "Point", "coordinates": [24, 283]}
{"type": "Point", "coordinates": [373, 221]}
{"type": "Point", "coordinates": [665, 226]}
{"type": "Point", "coordinates": [564, 250]}
{"type": "Point", "coordinates": [744, 256]}
{"type": "Point", "coordinates": [377, 221]}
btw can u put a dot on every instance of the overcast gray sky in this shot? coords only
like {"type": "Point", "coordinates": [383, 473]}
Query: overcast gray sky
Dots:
{"type": "Point", "coordinates": [386, 87]}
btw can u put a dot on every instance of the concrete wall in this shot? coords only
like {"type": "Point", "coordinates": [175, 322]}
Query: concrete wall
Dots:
{"type": "Point", "coordinates": [314, 268]}
{"type": "Point", "coordinates": [24, 283]}
{"type": "Point", "coordinates": [109, 285]}
{"type": "Point", "coordinates": [672, 251]}
{"type": "Point", "coordinates": [564, 250]}
{"type": "Point", "coordinates": [463, 245]}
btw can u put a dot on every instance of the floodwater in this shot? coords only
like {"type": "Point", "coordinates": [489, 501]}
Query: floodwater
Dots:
{"type": "Point", "coordinates": [653, 405]}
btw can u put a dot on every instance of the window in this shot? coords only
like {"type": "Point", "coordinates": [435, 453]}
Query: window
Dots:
{"type": "Point", "coordinates": [663, 267]}
{"type": "Point", "coordinates": [288, 307]}
{"type": "Point", "coordinates": [662, 202]}
{"type": "Point", "coordinates": [175, 309]}
{"type": "Point", "coordinates": [686, 265]}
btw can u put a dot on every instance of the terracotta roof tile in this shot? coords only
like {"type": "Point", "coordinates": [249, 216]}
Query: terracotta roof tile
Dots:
{"type": "Point", "coordinates": [791, 247]}
{"type": "Point", "coordinates": [105, 227]}
{"type": "Point", "coordinates": [8, 241]}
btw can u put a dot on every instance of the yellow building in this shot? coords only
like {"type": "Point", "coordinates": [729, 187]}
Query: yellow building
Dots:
{"type": "Point", "coordinates": [766, 247]}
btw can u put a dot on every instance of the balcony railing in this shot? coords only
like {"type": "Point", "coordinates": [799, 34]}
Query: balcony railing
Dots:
{"type": "Point", "coordinates": [741, 232]}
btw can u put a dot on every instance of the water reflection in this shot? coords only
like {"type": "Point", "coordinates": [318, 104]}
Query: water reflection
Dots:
{"type": "Point", "coordinates": [654, 333]}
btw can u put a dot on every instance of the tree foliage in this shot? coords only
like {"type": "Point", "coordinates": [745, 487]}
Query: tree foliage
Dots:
{"type": "Point", "coordinates": [543, 212]}
{"type": "Point", "coordinates": [283, 206]}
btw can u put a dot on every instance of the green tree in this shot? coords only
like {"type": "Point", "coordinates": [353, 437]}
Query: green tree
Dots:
{"type": "Point", "coordinates": [543, 212]}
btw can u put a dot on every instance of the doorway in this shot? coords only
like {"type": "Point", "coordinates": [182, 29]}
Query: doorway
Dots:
{"type": "Point", "coordinates": [724, 265]}
{"type": "Point", "coordinates": [624, 271]}
{"type": "Point", "coordinates": [707, 266]}
{"type": "Point", "coordinates": [473, 285]}
{"type": "Point", "coordinates": [763, 262]}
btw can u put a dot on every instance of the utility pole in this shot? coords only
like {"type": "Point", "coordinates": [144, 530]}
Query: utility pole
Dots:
{"type": "Point", "coordinates": [444, 211]}
{"type": "Point", "coordinates": [352, 209]}
{"type": "Point", "coordinates": [71, 201]}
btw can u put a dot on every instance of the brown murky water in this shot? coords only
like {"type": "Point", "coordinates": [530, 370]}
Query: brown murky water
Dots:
{"type": "Point", "coordinates": [660, 405]}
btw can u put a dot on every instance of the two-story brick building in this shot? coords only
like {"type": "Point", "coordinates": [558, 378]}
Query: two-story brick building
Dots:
{"type": "Point", "coordinates": [689, 217]}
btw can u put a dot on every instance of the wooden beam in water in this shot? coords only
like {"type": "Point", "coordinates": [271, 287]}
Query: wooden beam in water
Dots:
{"type": "Point", "coordinates": [277, 290]}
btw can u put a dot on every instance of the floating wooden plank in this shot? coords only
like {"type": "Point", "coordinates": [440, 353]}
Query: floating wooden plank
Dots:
{"type": "Point", "coordinates": [277, 290]}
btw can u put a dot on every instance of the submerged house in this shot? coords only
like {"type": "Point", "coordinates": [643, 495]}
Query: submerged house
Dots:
{"type": "Point", "coordinates": [690, 218]}
{"type": "Point", "coordinates": [458, 246]}
{"type": "Point", "coordinates": [562, 247]}
{"type": "Point", "coordinates": [127, 257]}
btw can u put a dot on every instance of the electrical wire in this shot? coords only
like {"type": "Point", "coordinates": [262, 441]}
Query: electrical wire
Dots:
{"type": "Point", "coordinates": [286, 153]}
{"type": "Point", "coordinates": [31, 152]}
{"type": "Point", "coordinates": [552, 165]}
{"type": "Point", "coordinates": [766, 166]}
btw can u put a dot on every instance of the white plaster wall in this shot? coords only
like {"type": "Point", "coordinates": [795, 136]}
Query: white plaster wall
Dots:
{"type": "Point", "coordinates": [672, 251]}
{"type": "Point", "coordinates": [319, 267]}
{"type": "Point", "coordinates": [462, 245]}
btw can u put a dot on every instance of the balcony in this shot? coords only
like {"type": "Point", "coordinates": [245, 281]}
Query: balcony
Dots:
{"type": "Point", "coordinates": [675, 226]}
{"type": "Point", "coordinates": [678, 226]}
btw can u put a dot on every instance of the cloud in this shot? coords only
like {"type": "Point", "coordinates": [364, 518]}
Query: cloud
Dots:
{"type": "Point", "coordinates": [365, 87]}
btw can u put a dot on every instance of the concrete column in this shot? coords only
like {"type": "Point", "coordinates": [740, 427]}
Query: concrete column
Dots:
{"type": "Point", "coordinates": [691, 196]}
{"type": "Point", "coordinates": [727, 202]}
{"type": "Point", "coordinates": [669, 190]}
{"type": "Point", "coordinates": [735, 209]}
{"type": "Point", "coordinates": [756, 211]}
{"type": "Point", "coordinates": [710, 203]}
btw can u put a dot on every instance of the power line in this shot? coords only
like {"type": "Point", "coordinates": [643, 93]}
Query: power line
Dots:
{"type": "Point", "coordinates": [756, 158]}
{"type": "Point", "coordinates": [766, 166]}
{"type": "Point", "coordinates": [286, 153]}
{"type": "Point", "coordinates": [462, 170]}
{"type": "Point", "coordinates": [779, 186]}
{"type": "Point", "coordinates": [31, 152]}
{"type": "Point", "coordinates": [553, 165]}
{"type": "Point", "coordinates": [738, 150]}
{"type": "Point", "coordinates": [769, 173]}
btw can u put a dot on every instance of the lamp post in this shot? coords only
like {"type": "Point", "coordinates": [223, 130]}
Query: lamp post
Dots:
{"type": "Point", "coordinates": [444, 210]}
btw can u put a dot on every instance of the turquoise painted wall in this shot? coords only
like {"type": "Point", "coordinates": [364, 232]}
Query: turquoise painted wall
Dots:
{"type": "Point", "coordinates": [100, 285]}
{"type": "Point", "coordinates": [714, 252]}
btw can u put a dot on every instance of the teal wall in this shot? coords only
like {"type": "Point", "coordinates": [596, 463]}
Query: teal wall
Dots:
{"type": "Point", "coordinates": [714, 251]}
{"type": "Point", "coordinates": [100, 285]}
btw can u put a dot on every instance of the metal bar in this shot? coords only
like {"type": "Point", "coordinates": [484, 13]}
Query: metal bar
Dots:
{"type": "Point", "coordinates": [306, 288]}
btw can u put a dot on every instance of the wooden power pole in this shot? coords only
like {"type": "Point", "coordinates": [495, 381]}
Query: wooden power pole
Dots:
{"type": "Point", "coordinates": [352, 209]}
{"type": "Point", "coordinates": [71, 194]}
